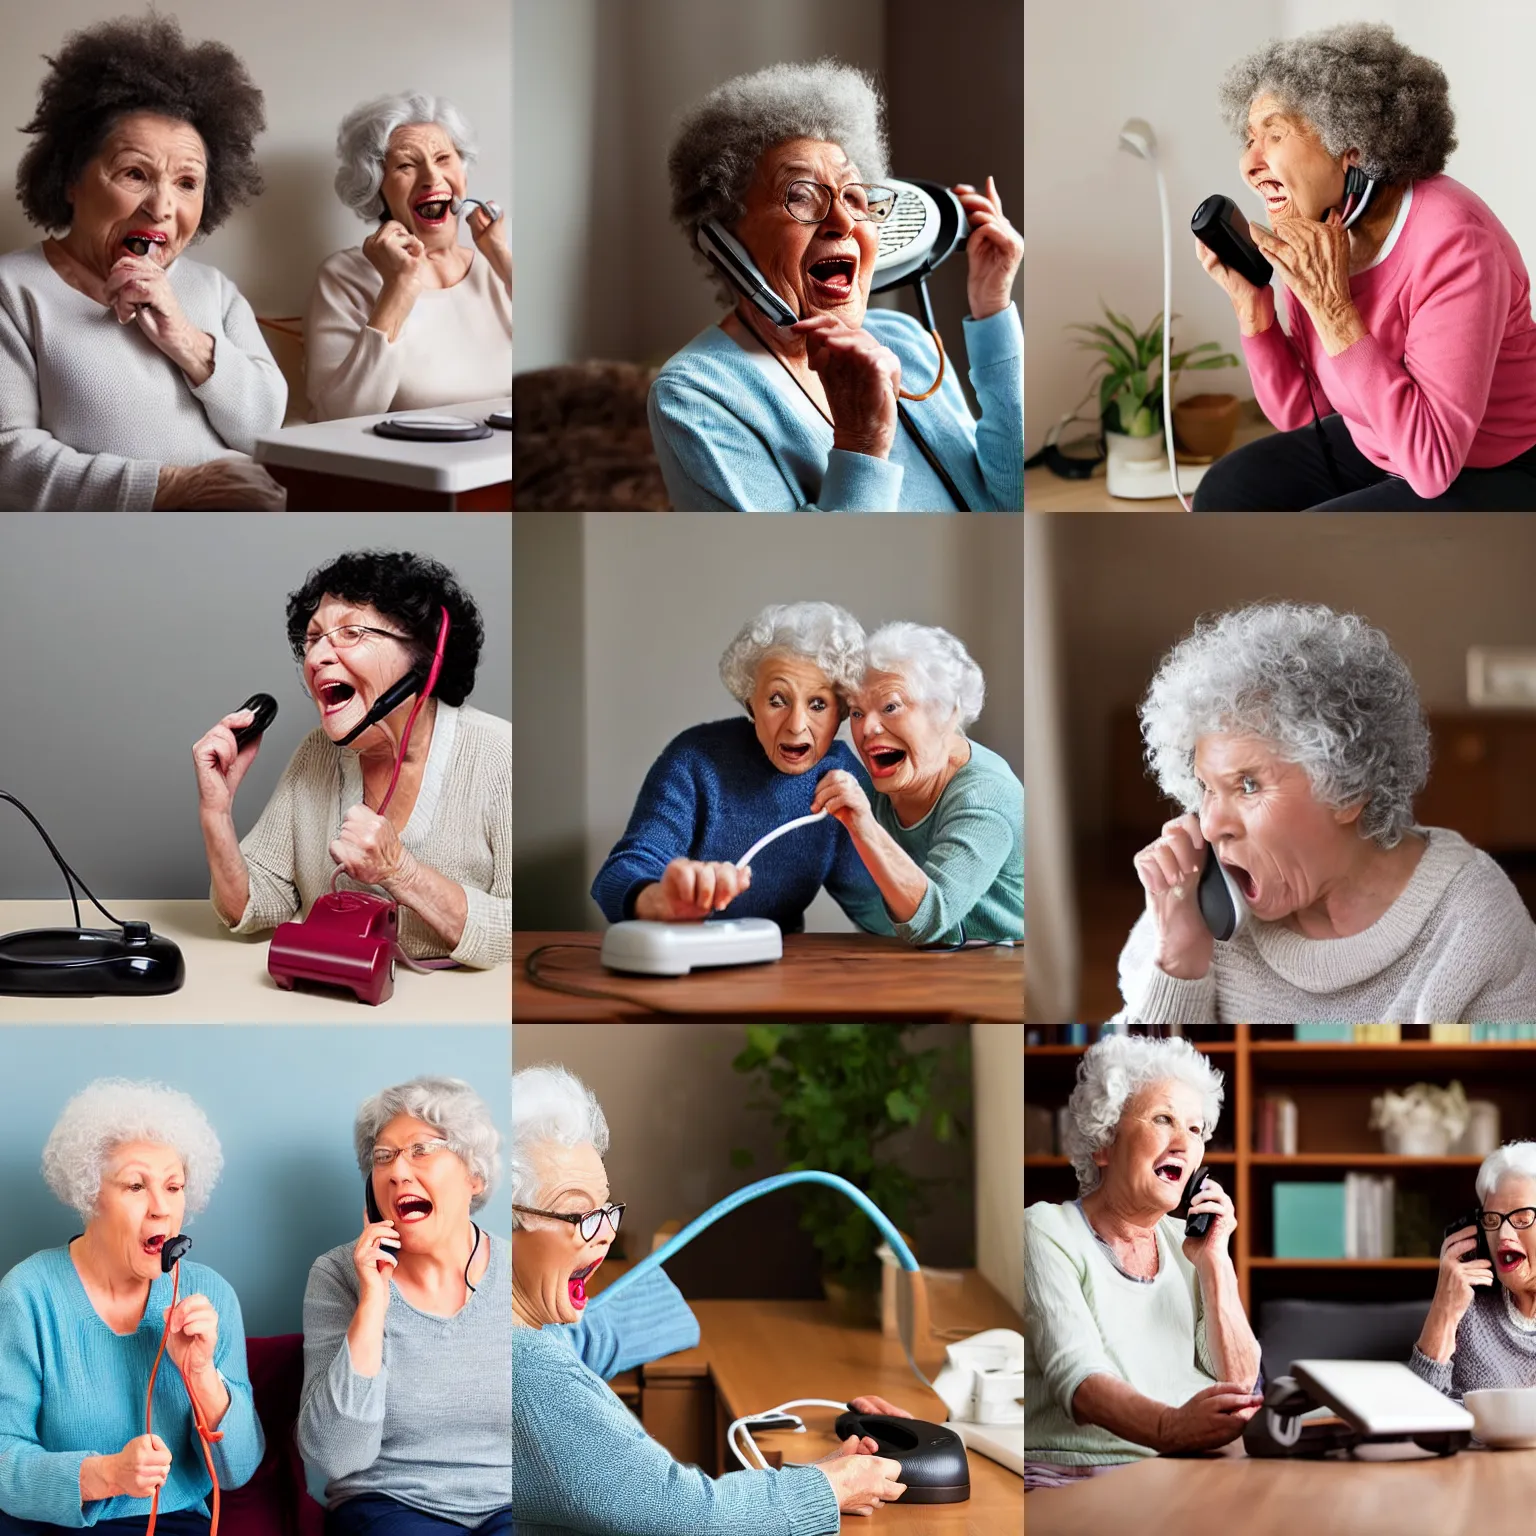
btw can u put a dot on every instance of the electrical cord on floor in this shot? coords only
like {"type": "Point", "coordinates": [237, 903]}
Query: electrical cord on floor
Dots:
{"type": "Point", "coordinates": [532, 972]}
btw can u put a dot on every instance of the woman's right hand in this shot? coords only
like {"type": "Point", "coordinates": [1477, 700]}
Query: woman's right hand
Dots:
{"type": "Point", "coordinates": [1169, 870]}
{"type": "Point", "coordinates": [1255, 307]}
{"type": "Point", "coordinates": [861, 1479]}
{"type": "Point", "coordinates": [220, 765]}
{"type": "Point", "coordinates": [861, 378]}
{"type": "Point", "coordinates": [690, 890]}
{"type": "Point", "coordinates": [1211, 1418]}
{"type": "Point", "coordinates": [374, 1262]}
{"type": "Point", "coordinates": [220, 485]}
{"type": "Point", "coordinates": [1456, 1283]}
{"type": "Point", "coordinates": [397, 255]}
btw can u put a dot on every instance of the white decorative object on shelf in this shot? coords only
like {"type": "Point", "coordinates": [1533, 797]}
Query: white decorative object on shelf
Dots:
{"type": "Point", "coordinates": [1482, 1133]}
{"type": "Point", "coordinates": [1422, 1121]}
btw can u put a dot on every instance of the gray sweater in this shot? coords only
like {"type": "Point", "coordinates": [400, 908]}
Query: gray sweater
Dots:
{"type": "Point", "coordinates": [434, 1428]}
{"type": "Point", "coordinates": [1495, 1347]}
{"type": "Point", "coordinates": [1457, 945]}
{"type": "Point", "coordinates": [90, 410]}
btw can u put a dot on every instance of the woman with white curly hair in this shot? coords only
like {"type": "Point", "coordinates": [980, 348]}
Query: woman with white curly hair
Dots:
{"type": "Point", "coordinates": [584, 1465]}
{"type": "Point", "coordinates": [81, 1325]}
{"type": "Point", "coordinates": [407, 1372]}
{"type": "Point", "coordinates": [1135, 1338]}
{"type": "Point", "coordinates": [827, 407]}
{"type": "Point", "coordinates": [945, 840]}
{"type": "Point", "coordinates": [412, 318]}
{"type": "Point", "coordinates": [1294, 740]}
{"type": "Point", "coordinates": [717, 788]}
{"type": "Point", "coordinates": [1409, 376]}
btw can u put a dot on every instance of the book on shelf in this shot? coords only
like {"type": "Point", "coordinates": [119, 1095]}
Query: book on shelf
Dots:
{"type": "Point", "coordinates": [1039, 1131]}
{"type": "Point", "coordinates": [1309, 1220]}
{"type": "Point", "coordinates": [1368, 1224]}
{"type": "Point", "coordinates": [1502, 1033]}
{"type": "Point", "coordinates": [1378, 1034]}
{"type": "Point", "coordinates": [1326, 1034]}
{"type": "Point", "coordinates": [1450, 1034]}
{"type": "Point", "coordinates": [1275, 1125]}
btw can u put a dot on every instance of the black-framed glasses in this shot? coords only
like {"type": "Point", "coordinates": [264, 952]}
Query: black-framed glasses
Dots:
{"type": "Point", "coordinates": [809, 201]}
{"type": "Point", "coordinates": [586, 1222]}
{"type": "Point", "coordinates": [344, 637]}
{"type": "Point", "coordinates": [1491, 1221]}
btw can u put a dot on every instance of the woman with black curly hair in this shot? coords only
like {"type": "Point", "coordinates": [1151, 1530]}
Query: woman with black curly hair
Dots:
{"type": "Point", "coordinates": [142, 143]}
{"type": "Point", "coordinates": [1408, 380]}
{"type": "Point", "coordinates": [443, 849]}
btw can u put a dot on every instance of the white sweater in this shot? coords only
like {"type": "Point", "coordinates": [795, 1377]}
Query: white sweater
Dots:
{"type": "Point", "coordinates": [461, 826]}
{"type": "Point", "coordinates": [1457, 945]}
{"type": "Point", "coordinates": [456, 343]}
{"type": "Point", "coordinates": [91, 410]}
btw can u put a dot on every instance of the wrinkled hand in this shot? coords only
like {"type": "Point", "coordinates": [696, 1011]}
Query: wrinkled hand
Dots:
{"type": "Point", "coordinates": [397, 255]}
{"type": "Point", "coordinates": [372, 1262]}
{"type": "Point", "coordinates": [194, 1335]}
{"type": "Point", "coordinates": [139, 289]}
{"type": "Point", "coordinates": [491, 239]}
{"type": "Point", "coordinates": [1211, 1418]}
{"type": "Point", "coordinates": [1255, 307]}
{"type": "Point", "coordinates": [1456, 1282]}
{"type": "Point", "coordinates": [993, 250]}
{"type": "Point", "coordinates": [690, 889]}
{"type": "Point", "coordinates": [1313, 259]}
{"type": "Point", "coordinates": [369, 849]}
{"type": "Point", "coordinates": [1213, 1198]}
{"type": "Point", "coordinates": [861, 378]}
{"type": "Point", "coordinates": [1169, 871]}
{"type": "Point", "coordinates": [140, 1467]}
{"type": "Point", "coordinates": [842, 794]}
{"type": "Point", "coordinates": [862, 1480]}
{"type": "Point", "coordinates": [219, 766]}
{"type": "Point", "coordinates": [220, 485]}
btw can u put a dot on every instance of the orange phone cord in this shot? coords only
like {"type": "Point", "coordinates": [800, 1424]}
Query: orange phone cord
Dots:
{"type": "Point", "coordinates": [938, 341]}
{"type": "Point", "coordinates": [205, 1436]}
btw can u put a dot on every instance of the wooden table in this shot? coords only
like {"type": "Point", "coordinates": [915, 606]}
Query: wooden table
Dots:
{"type": "Point", "coordinates": [344, 466]}
{"type": "Point", "coordinates": [826, 976]}
{"type": "Point", "coordinates": [227, 980]}
{"type": "Point", "coordinates": [1177, 1496]}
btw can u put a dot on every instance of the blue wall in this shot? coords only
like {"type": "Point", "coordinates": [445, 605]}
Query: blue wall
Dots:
{"type": "Point", "coordinates": [282, 1101]}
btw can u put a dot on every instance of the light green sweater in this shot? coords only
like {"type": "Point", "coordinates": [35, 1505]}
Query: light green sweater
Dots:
{"type": "Point", "coordinates": [1083, 1316]}
{"type": "Point", "coordinates": [971, 847]}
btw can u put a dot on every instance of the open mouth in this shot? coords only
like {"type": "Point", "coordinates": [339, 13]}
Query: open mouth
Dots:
{"type": "Point", "coordinates": [153, 1245]}
{"type": "Point", "coordinates": [884, 761]}
{"type": "Point", "coordinates": [795, 752]}
{"type": "Point", "coordinates": [1243, 880]}
{"type": "Point", "coordinates": [139, 241]}
{"type": "Point", "coordinates": [1510, 1257]}
{"type": "Point", "coordinates": [432, 210]}
{"type": "Point", "coordinates": [832, 278]}
{"type": "Point", "coordinates": [1273, 193]}
{"type": "Point", "coordinates": [335, 695]}
{"type": "Point", "coordinates": [576, 1286]}
{"type": "Point", "coordinates": [1170, 1173]}
{"type": "Point", "coordinates": [412, 1208]}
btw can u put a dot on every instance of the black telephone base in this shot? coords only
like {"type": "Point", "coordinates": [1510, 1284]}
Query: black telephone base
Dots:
{"type": "Point", "coordinates": [89, 962]}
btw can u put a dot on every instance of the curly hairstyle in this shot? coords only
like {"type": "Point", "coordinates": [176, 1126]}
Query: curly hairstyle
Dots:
{"type": "Point", "coordinates": [936, 668]}
{"type": "Point", "coordinates": [363, 139]}
{"type": "Point", "coordinates": [1325, 689]}
{"type": "Point", "coordinates": [106, 72]}
{"type": "Point", "coordinates": [821, 633]}
{"type": "Point", "coordinates": [1111, 1074]}
{"type": "Point", "coordinates": [452, 1108]}
{"type": "Point", "coordinates": [1360, 89]}
{"type": "Point", "coordinates": [409, 590]}
{"type": "Point", "coordinates": [718, 143]}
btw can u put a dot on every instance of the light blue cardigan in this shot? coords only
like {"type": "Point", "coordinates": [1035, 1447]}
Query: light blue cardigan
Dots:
{"type": "Point", "coordinates": [729, 440]}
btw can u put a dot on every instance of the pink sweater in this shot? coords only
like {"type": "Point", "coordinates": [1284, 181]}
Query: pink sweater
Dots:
{"type": "Point", "coordinates": [1446, 377]}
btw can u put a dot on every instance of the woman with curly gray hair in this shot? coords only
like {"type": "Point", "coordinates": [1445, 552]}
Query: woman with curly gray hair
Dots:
{"type": "Point", "coordinates": [1135, 1338]}
{"type": "Point", "coordinates": [1409, 377]}
{"type": "Point", "coordinates": [798, 399]}
{"type": "Point", "coordinates": [945, 841]}
{"type": "Point", "coordinates": [411, 318]}
{"type": "Point", "coordinates": [717, 788]}
{"type": "Point", "coordinates": [80, 1326]}
{"type": "Point", "coordinates": [1293, 738]}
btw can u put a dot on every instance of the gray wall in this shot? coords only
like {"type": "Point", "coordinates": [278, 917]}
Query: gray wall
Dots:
{"type": "Point", "coordinates": [127, 635]}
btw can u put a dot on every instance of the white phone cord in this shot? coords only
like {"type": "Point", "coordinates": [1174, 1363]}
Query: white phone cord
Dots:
{"type": "Point", "coordinates": [762, 842]}
{"type": "Point", "coordinates": [1173, 462]}
{"type": "Point", "coordinates": [772, 1413]}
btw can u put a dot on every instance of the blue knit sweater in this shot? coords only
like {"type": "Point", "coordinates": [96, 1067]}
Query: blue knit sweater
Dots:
{"type": "Point", "coordinates": [582, 1464]}
{"type": "Point", "coordinates": [729, 439]}
{"type": "Point", "coordinates": [710, 795]}
{"type": "Point", "coordinates": [71, 1388]}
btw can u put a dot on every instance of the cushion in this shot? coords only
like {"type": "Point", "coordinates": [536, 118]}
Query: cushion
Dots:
{"type": "Point", "coordinates": [274, 1502]}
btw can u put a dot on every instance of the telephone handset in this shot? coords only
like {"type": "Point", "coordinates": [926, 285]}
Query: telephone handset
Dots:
{"type": "Point", "coordinates": [1200, 1223]}
{"type": "Point", "coordinates": [1221, 902]}
{"type": "Point", "coordinates": [375, 1214]}
{"type": "Point", "coordinates": [1481, 1251]}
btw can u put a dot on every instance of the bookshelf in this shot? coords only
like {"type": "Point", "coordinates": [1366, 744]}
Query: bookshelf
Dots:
{"type": "Point", "coordinates": [1333, 1084]}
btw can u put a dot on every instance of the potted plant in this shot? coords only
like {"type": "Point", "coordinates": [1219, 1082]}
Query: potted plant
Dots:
{"type": "Point", "coordinates": [839, 1093]}
{"type": "Point", "coordinates": [1422, 1121]}
{"type": "Point", "coordinates": [1131, 388]}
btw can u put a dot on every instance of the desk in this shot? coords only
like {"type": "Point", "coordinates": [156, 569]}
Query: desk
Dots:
{"type": "Point", "coordinates": [227, 980]}
{"type": "Point", "coordinates": [1164, 1496]}
{"type": "Point", "coordinates": [823, 976]}
{"type": "Point", "coordinates": [343, 466]}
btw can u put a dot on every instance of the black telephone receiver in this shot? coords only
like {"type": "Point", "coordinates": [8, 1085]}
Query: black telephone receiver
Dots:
{"type": "Point", "coordinates": [1200, 1223]}
{"type": "Point", "coordinates": [375, 1214]}
{"type": "Point", "coordinates": [1218, 225]}
{"type": "Point", "coordinates": [1221, 902]}
{"type": "Point", "coordinates": [264, 707]}
{"type": "Point", "coordinates": [1471, 1220]}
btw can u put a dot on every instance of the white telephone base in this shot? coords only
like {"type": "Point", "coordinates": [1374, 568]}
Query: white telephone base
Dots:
{"type": "Point", "coordinates": [1149, 479]}
{"type": "Point", "coordinates": [649, 948]}
{"type": "Point", "coordinates": [1002, 1443]}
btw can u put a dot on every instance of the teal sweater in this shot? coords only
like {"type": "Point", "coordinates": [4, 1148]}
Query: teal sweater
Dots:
{"type": "Point", "coordinates": [71, 1388]}
{"type": "Point", "coordinates": [730, 440]}
{"type": "Point", "coordinates": [971, 847]}
{"type": "Point", "coordinates": [582, 1464]}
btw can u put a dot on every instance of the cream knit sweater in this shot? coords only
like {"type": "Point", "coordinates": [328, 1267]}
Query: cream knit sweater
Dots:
{"type": "Point", "coordinates": [1457, 945]}
{"type": "Point", "coordinates": [461, 825]}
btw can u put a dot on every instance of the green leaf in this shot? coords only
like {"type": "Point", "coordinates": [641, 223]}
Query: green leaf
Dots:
{"type": "Point", "coordinates": [899, 1106]}
{"type": "Point", "coordinates": [741, 1157]}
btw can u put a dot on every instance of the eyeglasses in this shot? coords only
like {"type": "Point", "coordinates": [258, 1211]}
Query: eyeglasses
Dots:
{"type": "Point", "coordinates": [416, 1152]}
{"type": "Point", "coordinates": [345, 637]}
{"type": "Point", "coordinates": [1491, 1221]}
{"type": "Point", "coordinates": [809, 201]}
{"type": "Point", "coordinates": [587, 1222]}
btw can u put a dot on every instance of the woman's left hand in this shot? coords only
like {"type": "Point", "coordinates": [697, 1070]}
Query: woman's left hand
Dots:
{"type": "Point", "coordinates": [1313, 259]}
{"type": "Point", "coordinates": [491, 240]}
{"type": "Point", "coordinates": [879, 1405]}
{"type": "Point", "coordinates": [841, 794]}
{"type": "Point", "coordinates": [194, 1335]}
{"type": "Point", "coordinates": [1213, 1245]}
{"type": "Point", "coordinates": [369, 849]}
{"type": "Point", "coordinates": [993, 250]}
{"type": "Point", "coordinates": [139, 290]}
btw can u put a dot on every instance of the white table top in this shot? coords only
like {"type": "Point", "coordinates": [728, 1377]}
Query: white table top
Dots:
{"type": "Point", "coordinates": [350, 447]}
{"type": "Point", "coordinates": [227, 980]}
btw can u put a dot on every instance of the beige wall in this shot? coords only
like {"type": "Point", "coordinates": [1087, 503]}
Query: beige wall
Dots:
{"type": "Point", "coordinates": [314, 62]}
{"type": "Point", "coordinates": [998, 1070]}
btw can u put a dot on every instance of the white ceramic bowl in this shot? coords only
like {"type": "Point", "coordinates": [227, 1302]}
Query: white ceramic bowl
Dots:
{"type": "Point", "coordinates": [1506, 1416]}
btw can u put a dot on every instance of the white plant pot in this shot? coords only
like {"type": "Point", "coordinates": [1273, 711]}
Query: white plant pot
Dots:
{"type": "Point", "coordinates": [1424, 1138]}
{"type": "Point", "coordinates": [1133, 450]}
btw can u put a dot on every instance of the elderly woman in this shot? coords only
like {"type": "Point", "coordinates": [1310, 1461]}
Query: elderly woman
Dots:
{"type": "Point", "coordinates": [718, 788]}
{"type": "Point", "coordinates": [570, 1431]}
{"type": "Point", "coordinates": [142, 143]}
{"type": "Point", "coordinates": [411, 318]}
{"type": "Point", "coordinates": [81, 1325]}
{"type": "Point", "coordinates": [1293, 738]}
{"type": "Point", "coordinates": [831, 410]}
{"type": "Point", "coordinates": [1474, 1339]}
{"type": "Point", "coordinates": [945, 844]}
{"type": "Point", "coordinates": [443, 847]}
{"type": "Point", "coordinates": [1135, 1339]}
{"type": "Point", "coordinates": [1410, 308]}
{"type": "Point", "coordinates": [407, 1373]}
